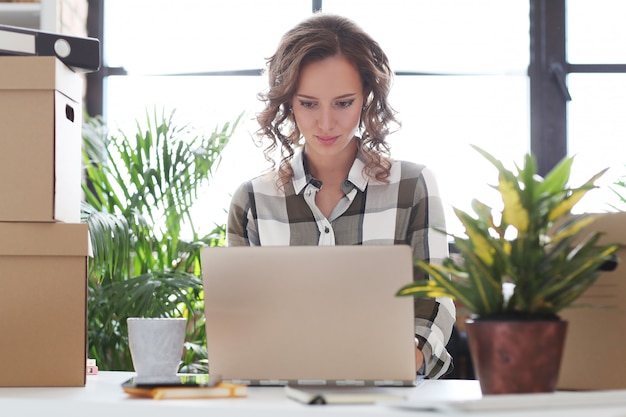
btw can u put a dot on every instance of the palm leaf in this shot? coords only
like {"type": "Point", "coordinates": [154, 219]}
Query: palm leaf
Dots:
{"type": "Point", "coordinates": [139, 192]}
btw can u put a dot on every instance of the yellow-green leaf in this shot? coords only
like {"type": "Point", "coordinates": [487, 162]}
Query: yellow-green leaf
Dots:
{"type": "Point", "coordinates": [513, 212]}
{"type": "Point", "coordinates": [481, 245]}
{"type": "Point", "coordinates": [567, 204]}
{"type": "Point", "coordinates": [574, 228]}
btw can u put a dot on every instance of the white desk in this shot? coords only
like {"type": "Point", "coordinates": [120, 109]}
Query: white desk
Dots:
{"type": "Point", "coordinates": [103, 396]}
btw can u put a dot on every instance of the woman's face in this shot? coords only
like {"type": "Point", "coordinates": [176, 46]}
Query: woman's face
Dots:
{"type": "Point", "coordinates": [327, 105]}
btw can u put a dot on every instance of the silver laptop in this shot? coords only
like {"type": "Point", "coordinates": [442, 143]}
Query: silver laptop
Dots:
{"type": "Point", "coordinates": [309, 315]}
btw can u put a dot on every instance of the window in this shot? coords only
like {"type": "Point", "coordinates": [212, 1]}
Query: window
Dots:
{"type": "Point", "coordinates": [191, 37]}
{"type": "Point", "coordinates": [595, 120]}
{"type": "Point", "coordinates": [462, 78]}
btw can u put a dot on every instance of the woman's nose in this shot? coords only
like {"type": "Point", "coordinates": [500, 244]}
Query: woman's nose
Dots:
{"type": "Point", "coordinates": [325, 119]}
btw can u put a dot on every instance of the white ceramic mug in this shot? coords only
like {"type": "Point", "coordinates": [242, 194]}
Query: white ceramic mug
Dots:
{"type": "Point", "coordinates": [156, 345]}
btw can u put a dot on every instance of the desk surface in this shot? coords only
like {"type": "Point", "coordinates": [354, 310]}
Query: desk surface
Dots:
{"type": "Point", "coordinates": [103, 396]}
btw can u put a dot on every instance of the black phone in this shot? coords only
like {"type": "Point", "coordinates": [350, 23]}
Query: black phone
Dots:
{"type": "Point", "coordinates": [180, 380]}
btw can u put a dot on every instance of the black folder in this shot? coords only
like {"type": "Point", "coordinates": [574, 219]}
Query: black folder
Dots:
{"type": "Point", "coordinates": [82, 54]}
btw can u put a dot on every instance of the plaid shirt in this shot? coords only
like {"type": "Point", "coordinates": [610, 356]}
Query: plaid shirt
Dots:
{"type": "Point", "coordinates": [370, 213]}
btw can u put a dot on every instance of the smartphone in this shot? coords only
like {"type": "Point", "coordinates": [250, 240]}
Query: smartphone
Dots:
{"type": "Point", "coordinates": [180, 380]}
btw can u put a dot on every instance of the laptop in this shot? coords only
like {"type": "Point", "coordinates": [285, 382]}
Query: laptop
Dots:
{"type": "Point", "coordinates": [594, 345]}
{"type": "Point", "coordinates": [309, 315]}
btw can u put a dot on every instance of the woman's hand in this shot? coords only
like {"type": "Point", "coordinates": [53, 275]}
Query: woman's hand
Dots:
{"type": "Point", "coordinates": [419, 356]}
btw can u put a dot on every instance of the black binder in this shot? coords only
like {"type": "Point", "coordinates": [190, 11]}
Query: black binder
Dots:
{"type": "Point", "coordinates": [82, 54]}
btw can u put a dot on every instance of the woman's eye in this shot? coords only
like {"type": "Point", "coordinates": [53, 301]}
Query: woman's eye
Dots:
{"type": "Point", "coordinates": [345, 103]}
{"type": "Point", "coordinates": [307, 104]}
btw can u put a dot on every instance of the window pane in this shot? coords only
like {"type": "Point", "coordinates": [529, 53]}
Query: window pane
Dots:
{"type": "Point", "coordinates": [164, 36]}
{"type": "Point", "coordinates": [596, 33]}
{"type": "Point", "coordinates": [470, 36]}
{"type": "Point", "coordinates": [442, 115]}
{"type": "Point", "coordinates": [597, 132]}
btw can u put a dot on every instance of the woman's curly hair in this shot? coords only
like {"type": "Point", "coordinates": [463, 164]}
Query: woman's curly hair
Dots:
{"type": "Point", "coordinates": [316, 38]}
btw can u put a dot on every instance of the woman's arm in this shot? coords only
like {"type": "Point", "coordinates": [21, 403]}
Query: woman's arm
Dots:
{"type": "Point", "coordinates": [237, 233]}
{"type": "Point", "coordinates": [434, 318]}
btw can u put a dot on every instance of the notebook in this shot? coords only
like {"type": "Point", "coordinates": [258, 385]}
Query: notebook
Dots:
{"type": "Point", "coordinates": [321, 395]}
{"type": "Point", "coordinates": [309, 315]}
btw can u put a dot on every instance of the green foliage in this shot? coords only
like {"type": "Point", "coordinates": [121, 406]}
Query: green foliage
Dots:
{"type": "Point", "coordinates": [619, 189]}
{"type": "Point", "coordinates": [534, 243]}
{"type": "Point", "coordinates": [139, 192]}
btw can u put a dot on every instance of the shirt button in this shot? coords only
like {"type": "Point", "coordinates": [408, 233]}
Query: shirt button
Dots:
{"type": "Point", "coordinates": [326, 229]}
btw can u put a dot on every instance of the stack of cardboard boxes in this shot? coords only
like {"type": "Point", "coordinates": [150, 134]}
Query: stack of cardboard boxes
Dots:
{"type": "Point", "coordinates": [43, 244]}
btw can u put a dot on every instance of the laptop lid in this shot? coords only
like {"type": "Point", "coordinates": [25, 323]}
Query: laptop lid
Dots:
{"type": "Point", "coordinates": [305, 315]}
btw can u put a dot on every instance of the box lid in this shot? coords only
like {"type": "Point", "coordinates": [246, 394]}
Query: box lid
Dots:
{"type": "Point", "coordinates": [44, 239]}
{"type": "Point", "coordinates": [39, 73]}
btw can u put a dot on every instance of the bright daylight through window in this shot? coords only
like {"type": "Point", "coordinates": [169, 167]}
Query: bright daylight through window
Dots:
{"type": "Point", "coordinates": [461, 79]}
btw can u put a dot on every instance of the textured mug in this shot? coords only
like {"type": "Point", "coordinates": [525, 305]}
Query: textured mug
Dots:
{"type": "Point", "coordinates": [156, 345]}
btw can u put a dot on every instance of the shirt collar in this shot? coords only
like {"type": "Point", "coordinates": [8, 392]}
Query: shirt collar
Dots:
{"type": "Point", "coordinates": [302, 177]}
{"type": "Point", "coordinates": [357, 174]}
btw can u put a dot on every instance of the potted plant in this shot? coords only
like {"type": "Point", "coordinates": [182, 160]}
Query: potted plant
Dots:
{"type": "Point", "coordinates": [140, 187]}
{"type": "Point", "coordinates": [515, 271]}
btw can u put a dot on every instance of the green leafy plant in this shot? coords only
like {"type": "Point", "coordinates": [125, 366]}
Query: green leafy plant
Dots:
{"type": "Point", "coordinates": [139, 193]}
{"type": "Point", "coordinates": [534, 244]}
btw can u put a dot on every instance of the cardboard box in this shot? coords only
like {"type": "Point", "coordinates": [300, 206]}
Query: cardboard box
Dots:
{"type": "Point", "coordinates": [43, 304]}
{"type": "Point", "coordinates": [40, 140]}
{"type": "Point", "coordinates": [594, 348]}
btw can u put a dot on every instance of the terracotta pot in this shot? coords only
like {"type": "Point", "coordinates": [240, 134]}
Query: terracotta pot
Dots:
{"type": "Point", "coordinates": [516, 356]}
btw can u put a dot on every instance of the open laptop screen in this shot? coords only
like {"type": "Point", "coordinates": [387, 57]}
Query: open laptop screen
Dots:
{"type": "Point", "coordinates": [309, 314]}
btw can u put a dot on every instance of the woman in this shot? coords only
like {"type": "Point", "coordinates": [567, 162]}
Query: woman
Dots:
{"type": "Point", "coordinates": [326, 111]}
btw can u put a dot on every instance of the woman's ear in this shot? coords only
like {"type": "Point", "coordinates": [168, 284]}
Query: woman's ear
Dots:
{"type": "Point", "coordinates": [367, 92]}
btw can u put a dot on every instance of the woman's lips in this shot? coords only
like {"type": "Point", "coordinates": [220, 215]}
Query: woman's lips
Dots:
{"type": "Point", "coordinates": [327, 140]}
